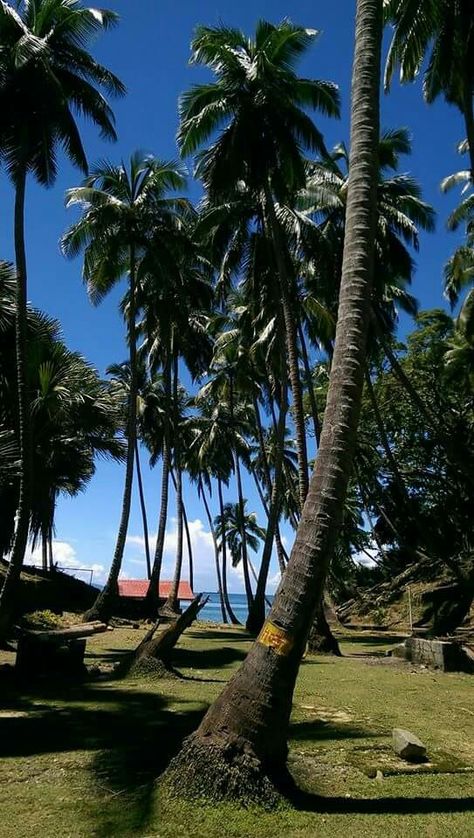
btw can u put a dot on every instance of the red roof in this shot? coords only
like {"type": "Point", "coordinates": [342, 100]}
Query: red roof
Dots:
{"type": "Point", "coordinates": [138, 588]}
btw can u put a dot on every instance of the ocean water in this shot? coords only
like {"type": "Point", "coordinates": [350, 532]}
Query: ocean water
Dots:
{"type": "Point", "coordinates": [212, 609]}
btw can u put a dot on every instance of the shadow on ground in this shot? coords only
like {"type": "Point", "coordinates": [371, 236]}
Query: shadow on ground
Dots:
{"type": "Point", "coordinates": [214, 658]}
{"type": "Point", "coordinates": [319, 729]}
{"type": "Point", "coordinates": [307, 802]}
{"type": "Point", "coordinates": [133, 733]}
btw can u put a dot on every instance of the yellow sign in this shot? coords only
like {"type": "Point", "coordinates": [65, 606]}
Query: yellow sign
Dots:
{"type": "Point", "coordinates": [276, 637]}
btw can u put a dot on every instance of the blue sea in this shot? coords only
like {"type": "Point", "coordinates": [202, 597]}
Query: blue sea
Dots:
{"type": "Point", "coordinates": [212, 610]}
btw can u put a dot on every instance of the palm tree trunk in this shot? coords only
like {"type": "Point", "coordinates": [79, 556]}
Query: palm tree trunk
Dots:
{"type": "Point", "coordinates": [240, 495]}
{"type": "Point", "coordinates": [256, 616]}
{"type": "Point", "coordinates": [102, 607]}
{"type": "Point", "coordinates": [402, 492]}
{"type": "Point", "coordinates": [241, 744]}
{"type": "Point", "coordinates": [202, 492]}
{"type": "Point", "coordinates": [8, 596]}
{"type": "Point", "coordinates": [188, 535]}
{"type": "Point", "coordinates": [143, 509]}
{"type": "Point", "coordinates": [50, 550]}
{"type": "Point", "coordinates": [225, 594]}
{"type": "Point", "coordinates": [310, 385]}
{"type": "Point", "coordinates": [44, 551]}
{"type": "Point", "coordinates": [291, 345]}
{"type": "Point", "coordinates": [153, 596]}
{"type": "Point", "coordinates": [321, 639]}
{"type": "Point", "coordinates": [281, 553]}
{"type": "Point", "coordinates": [171, 603]}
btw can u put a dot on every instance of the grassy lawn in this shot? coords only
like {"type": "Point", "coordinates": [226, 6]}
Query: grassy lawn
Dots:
{"type": "Point", "coordinates": [82, 760]}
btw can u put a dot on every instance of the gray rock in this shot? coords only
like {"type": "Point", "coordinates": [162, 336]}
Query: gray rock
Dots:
{"type": "Point", "coordinates": [407, 745]}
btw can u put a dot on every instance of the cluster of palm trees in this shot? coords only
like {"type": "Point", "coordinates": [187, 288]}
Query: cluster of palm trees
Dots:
{"type": "Point", "coordinates": [244, 290]}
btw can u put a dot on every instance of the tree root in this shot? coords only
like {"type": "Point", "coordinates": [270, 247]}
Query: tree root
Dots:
{"type": "Point", "coordinates": [215, 770]}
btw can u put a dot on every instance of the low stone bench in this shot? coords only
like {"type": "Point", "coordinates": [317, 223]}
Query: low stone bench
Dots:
{"type": "Point", "coordinates": [54, 651]}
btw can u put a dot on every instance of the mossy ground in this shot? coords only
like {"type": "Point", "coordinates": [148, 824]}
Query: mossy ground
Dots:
{"type": "Point", "coordinates": [83, 760]}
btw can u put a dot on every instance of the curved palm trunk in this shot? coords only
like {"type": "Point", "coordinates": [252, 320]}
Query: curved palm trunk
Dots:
{"type": "Point", "coordinates": [268, 483]}
{"type": "Point", "coordinates": [152, 597]}
{"type": "Point", "coordinates": [291, 346]}
{"type": "Point", "coordinates": [171, 603]}
{"type": "Point", "coordinates": [240, 495]}
{"type": "Point", "coordinates": [310, 386]}
{"type": "Point", "coordinates": [188, 535]}
{"type": "Point", "coordinates": [202, 492]}
{"type": "Point", "coordinates": [256, 616]}
{"type": "Point", "coordinates": [50, 550]}
{"type": "Point", "coordinates": [103, 606]}
{"type": "Point", "coordinates": [242, 740]}
{"type": "Point", "coordinates": [225, 593]}
{"type": "Point", "coordinates": [143, 510]}
{"type": "Point", "coordinates": [172, 600]}
{"type": "Point", "coordinates": [281, 553]}
{"type": "Point", "coordinates": [8, 596]}
{"type": "Point", "coordinates": [44, 551]}
{"type": "Point", "coordinates": [403, 494]}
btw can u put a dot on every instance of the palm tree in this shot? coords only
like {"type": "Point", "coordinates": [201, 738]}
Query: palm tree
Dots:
{"type": "Point", "coordinates": [259, 100]}
{"type": "Point", "coordinates": [231, 524]}
{"type": "Point", "coordinates": [227, 387]}
{"type": "Point", "coordinates": [47, 76]}
{"type": "Point", "coordinates": [120, 374]}
{"type": "Point", "coordinates": [212, 451]}
{"type": "Point", "coordinates": [446, 27]}
{"type": "Point", "coordinates": [74, 418]}
{"type": "Point", "coordinates": [175, 297]}
{"type": "Point", "coordinates": [242, 740]}
{"type": "Point", "coordinates": [122, 211]}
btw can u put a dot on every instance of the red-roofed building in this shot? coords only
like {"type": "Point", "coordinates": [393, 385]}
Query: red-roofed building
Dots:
{"type": "Point", "coordinates": [132, 593]}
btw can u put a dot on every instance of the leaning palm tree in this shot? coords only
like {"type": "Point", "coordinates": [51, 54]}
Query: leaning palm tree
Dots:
{"type": "Point", "coordinates": [47, 76]}
{"type": "Point", "coordinates": [445, 29]}
{"type": "Point", "coordinates": [122, 209]}
{"type": "Point", "coordinates": [241, 744]}
{"type": "Point", "coordinates": [256, 107]}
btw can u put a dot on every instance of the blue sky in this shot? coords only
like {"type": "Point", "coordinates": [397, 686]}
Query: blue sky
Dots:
{"type": "Point", "coordinates": [150, 52]}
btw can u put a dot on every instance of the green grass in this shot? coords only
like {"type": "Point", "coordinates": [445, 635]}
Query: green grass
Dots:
{"type": "Point", "coordinates": [83, 760]}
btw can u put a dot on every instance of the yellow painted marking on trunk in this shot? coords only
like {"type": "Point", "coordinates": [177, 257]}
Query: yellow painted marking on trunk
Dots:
{"type": "Point", "coordinates": [277, 638]}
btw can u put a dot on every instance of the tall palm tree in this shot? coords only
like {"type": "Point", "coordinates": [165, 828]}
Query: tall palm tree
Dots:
{"type": "Point", "coordinates": [176, 300]}
{"type": "Point", "coordinates": [122, 209]}
{"type": "Point", "coordinates": [225, 386]}
{"type": "Point", "coordinates": [74, 419]}
{"type": "Point", "coordinates": [256, 107]}
{"type": "Point", "coordinates": [47, 76]}
{"type": "Point", "coordinates": [242, 740]}
{"type": "Point", "coordinates": [445, 30]}
{"type": "Point", "coordinates": [120, 374]}
{"type": "Point", "coordinates": [231, 524]}
{"type": "Point", "coordinates": [212, 450]}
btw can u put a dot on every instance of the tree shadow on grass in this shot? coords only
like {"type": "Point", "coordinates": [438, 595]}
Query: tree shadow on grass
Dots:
{"type": "Point", "coordinates": [133, 733]}
{"type": "Point", "coordinates": [238, 635]}
{"type": "Point", "coordinates": [213, 658]}
{"type": "Point", "coordinates": [320, 729]}
{"type": "Point", "coordinates": [307, 802]}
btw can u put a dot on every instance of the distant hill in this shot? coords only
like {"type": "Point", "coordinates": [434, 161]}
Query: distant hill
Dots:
{"type": "Point", "coordinates": [56, 591]}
